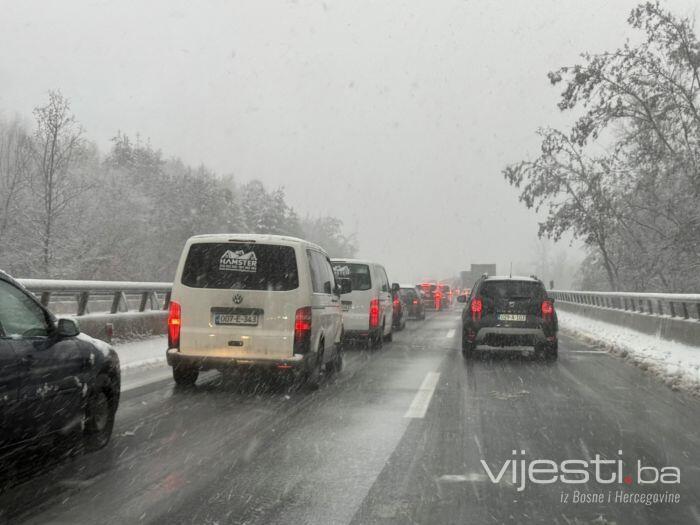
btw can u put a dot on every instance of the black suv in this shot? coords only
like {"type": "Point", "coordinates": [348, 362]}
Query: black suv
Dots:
{"type": "Point", "coordinates": [53, 379]}
{"type": "Point", "coordinates": [509, 311]}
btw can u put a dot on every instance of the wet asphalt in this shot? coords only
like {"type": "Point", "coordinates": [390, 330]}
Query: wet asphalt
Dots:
{"type": "Point", "coordinates": [248, 449]}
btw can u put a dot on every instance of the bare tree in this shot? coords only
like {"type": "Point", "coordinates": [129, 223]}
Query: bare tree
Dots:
{"type": "Point", "coordinates": [58, 147]}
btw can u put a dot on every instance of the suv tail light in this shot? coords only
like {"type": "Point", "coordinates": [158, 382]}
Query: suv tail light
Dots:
{"type": "Point", "coordinates": [174, 324]}
{"type": "Point", "coordinates": [547, 310]}
{"type": "Point", "coordinates": [374, 313]}
{"type": "Point", "coordinates": [302, 330]}
{"type": "Point", "coordinates": [476, 307]}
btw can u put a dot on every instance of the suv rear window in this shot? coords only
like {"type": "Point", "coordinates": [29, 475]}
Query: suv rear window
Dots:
{"type": "Point", "coordinates": [358, 273]}
{"type": "Point", "coordinates": [408, 293]}
{"type": "Point", "coordinates": [241, 266]}
{"type": "Point", "coordinates": [512, 290]}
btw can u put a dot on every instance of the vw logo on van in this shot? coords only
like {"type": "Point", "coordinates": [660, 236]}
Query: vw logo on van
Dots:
{"type": "Point", "coordinates": [238, 298]}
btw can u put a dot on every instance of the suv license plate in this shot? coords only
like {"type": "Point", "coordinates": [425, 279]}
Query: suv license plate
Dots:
{"type": "Point", "coordinates": [512, 317]}
{"type": "Point", "coordinates": [236, 319]}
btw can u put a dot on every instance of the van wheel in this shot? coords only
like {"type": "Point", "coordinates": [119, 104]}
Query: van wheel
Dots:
{"type": "Point", "coordinates": [99, 418]}
{"type": "Point", "coordinates": [376, 341]}
{"type": "Point", "coordinates": [389, 337]}
{"type": "Point", "coordinates": [313, 377]}
{"type": "Point", "coordinates": [336, 365]}
{"type": "Point", "coordinates": [185, 375]}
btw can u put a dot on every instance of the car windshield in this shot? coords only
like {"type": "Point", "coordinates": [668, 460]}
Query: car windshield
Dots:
{"type": "Point", "coordinates": [350, 262]}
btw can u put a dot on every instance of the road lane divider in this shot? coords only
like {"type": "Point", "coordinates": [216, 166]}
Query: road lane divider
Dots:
{"type": "Point", "coordinates": [450, 333]}
{"type": "Point", "coordinates": [419, 405]}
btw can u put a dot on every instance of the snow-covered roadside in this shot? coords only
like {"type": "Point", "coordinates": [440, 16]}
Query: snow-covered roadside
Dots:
{"type": "Point", "coordinates": [677, 364]}
{"type": "Point", "coordinates": [140, 353]}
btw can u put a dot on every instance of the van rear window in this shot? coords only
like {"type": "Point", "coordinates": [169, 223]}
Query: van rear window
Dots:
{"type": "Point", "coordinates": [357, 273]}
{"type": "Point", "coordinates": [241, 266]}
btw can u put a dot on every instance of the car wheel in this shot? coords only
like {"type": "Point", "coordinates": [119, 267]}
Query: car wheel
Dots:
{"type": "Point", "coordinates": [468, 348]}
{"type": "Point", "coordinates": [389, 337]}
{"type": "Point", "coordinates": [313, 377]}
{"type": "Point", "coordinates": [336, 365]}
{"type": "Point", "coordinates": [185, 375]}
{"type": "Point", "coordinates": [422, 316]}
{"type": "Point", "coordinates": [99, 417]}
{"type": "Point", "coordinates": [377, 341]}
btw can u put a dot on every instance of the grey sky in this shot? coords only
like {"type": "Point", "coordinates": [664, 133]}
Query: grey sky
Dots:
{"type": "Point", "coordinates": [395, 116]}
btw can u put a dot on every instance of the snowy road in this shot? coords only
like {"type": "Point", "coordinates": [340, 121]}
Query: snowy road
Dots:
{"type": "Point", "coordinates": [396, 438]}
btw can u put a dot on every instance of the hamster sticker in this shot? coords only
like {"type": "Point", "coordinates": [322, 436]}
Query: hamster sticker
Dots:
{"type": "Point", "coordinates": [238, 261]}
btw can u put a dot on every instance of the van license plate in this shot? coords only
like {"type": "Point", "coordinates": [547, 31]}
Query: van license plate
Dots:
{"type": "Point", "coordinates": [512, 317]}
{"type": "Point", "coordinates": [236, 319]}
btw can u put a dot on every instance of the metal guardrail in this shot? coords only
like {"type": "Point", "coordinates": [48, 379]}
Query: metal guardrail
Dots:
{"type": "Point", "coordinates": [679, 306]}
{"type": "Point", "coordinates": [119, 296]}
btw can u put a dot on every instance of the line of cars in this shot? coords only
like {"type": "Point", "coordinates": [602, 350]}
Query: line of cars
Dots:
{"type": "Point", "coordinates": [261, 301]}
{"type": "Point", "coordinates": [276, 302]}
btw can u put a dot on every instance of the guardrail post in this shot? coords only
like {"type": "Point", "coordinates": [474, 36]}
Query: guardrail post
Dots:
{"type": "Point", "coordinates": [166, 302]}
{"type": "Point", "coordinates": [650, 304]}
{"type": "Point", "coordinates": [45, 298]}
{"type": "Point", "coordinates": [119, 297]}
{"type": "Point", "coordinates": [144, 301]}
{"type": "Point", "coordinates": [685, 310]}
{"type": "Point", "coordinates": [671, 309]}
{"type": "Point", "coordinates": [83, 298]}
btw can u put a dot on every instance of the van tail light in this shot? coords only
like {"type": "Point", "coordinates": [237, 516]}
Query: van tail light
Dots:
{"type": "Point", "coordinates": [547, 310]}
{"type": "Point", "coordinates": [174, 324]}
{"type": "Point", "coordinates": [302, 330]}
{"type": "Point", "coordinates": [415, 301]}
{"type": "Point", "coordinates": [477, 307]}
{"type": "Point", "coordinates": [374, 313]}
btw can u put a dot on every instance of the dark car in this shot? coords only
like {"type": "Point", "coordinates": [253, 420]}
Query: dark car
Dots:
{"type": "Point", "coordinates": [53, 380]}
{"type": "Point", "coordinates": [399, 310]}
{"type": "Point", "coordinates": [413, 305]}
{"type": "Point", "coordinates": [509, 312]}
{"type": "Point", "coordinates": [430, 295]}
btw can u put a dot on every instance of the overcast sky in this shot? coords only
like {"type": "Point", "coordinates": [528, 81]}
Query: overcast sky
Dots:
{"type": "Point", "coordinates": [396, 116]}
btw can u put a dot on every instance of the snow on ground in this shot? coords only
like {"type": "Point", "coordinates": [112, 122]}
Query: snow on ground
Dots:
{"type": "Point", "coordinates": [677, 364]}
{"type": "Point", "coordinates": [140, 353]}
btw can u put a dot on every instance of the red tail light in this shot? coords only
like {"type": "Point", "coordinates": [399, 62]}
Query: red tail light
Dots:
{"type": "Point", "coordinates": [396, 302]}
{"type": "Point", "coordinates": [547, 309]}
{"type": "Point", "coordinates": [374, 313]}
{"type": "Point", "coordinates": [415, 301]}
{"type": "Point", "coordinates": [302, 330]}
{"type": "Point", "coordinates": [174, 323]}
{"type": "Point", "coordinates": [477, 307]}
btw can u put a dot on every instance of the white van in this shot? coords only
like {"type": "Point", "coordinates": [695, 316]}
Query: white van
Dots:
{"type": "Point", "coordinates": [254, 300]}
{"type": "Point", "coordinates": [367, 310]}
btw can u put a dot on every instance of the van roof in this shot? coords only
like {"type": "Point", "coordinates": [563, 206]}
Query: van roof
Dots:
{"type": "Point", "coordinates": [353, 261]}
{"type": "Point", "coordinates": [256, 237]}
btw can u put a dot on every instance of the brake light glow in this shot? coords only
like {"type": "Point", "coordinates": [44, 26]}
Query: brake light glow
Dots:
{"type": "Point", "coordinates": [302, 330]}
{"type": "Point", "coordinates": [415, 301]}
{"type": "Point", "coordinates": [547, 309]}
{"type": "Point", "coordinates": [374, 313]}
{"type": "Point", "coordinates": [174, 324]}
{"type": "Point", "coordinates": [477, 306]}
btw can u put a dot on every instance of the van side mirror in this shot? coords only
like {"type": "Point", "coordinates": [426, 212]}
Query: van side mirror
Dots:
{"type": "Point", "coordinates": [344, 285]}
{"type": "Point", "coordinates": [395, 287]}
{"type": "Point", "coordinates": [461, 298]}
{"type": "Point", "coordinates": [67, 327]}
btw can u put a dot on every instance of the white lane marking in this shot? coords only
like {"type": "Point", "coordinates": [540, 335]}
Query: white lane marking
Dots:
{"type": "Point", "coordinates": [586, 352]}
{"type": "Point", "coordinates": [419, 405]}
{"type": "Point", "coordinates": [460, 478]}
{"type": "Point", "coordinates": [450, 333]}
